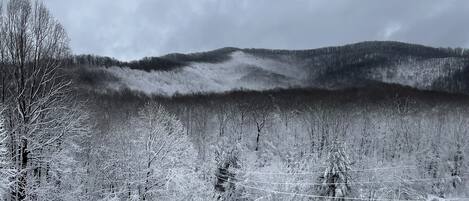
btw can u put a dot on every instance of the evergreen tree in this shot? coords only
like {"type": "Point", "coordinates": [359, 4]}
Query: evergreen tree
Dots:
{"type": "Point", "coordinates": [433, 167]}
{"type": "Point", "coordinates": [336, 178]}
{"type": "Point", "coordinates": [226, 159]}
{"type": "Point", "coordinates": [457, 164]}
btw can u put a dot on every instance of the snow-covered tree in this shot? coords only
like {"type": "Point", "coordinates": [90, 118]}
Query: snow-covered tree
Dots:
{"type": "Point", "coordinates": [41, 111]}
{"type": "Point", "coordinates": [457, 155]}
{"type": "Point", "coordinates": [226, 159]}
{"type": "Point", "coordinates": [165, 152]}
{"type": "Point", "coordinates": [60, 177]}
{"type": "Point", "coordinates": [145, 156]}
{"type": "Point", "coordinates": [433, 168]}
{"type": "Point", "coordinates": [337, 175]}
{"type": "Point", "coordinates": [3, 69]}
{"type": "Point", "coordinates": [5, 163]}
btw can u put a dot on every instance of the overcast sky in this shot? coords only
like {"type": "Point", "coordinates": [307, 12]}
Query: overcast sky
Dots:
{"type": "Point", "coordinates": [131, 29]}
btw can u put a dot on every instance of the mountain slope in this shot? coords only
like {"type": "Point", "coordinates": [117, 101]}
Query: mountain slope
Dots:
{"type": "Point", "coordinates": [229, 69]}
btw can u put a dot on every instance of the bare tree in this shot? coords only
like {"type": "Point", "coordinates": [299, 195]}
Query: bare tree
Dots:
{"type": "Point", "coordinates": [5, 172]}
{"type": "Point", "coordinates": [259, 113]}
{"type": "Point", "coordinates": [222, 118]}
{"type": "Point", "coordinates": [40, 110]}
{"type": "Point", "coordinates": [166, 146]}
{"type": "Point", "coordinates": [2, 56]}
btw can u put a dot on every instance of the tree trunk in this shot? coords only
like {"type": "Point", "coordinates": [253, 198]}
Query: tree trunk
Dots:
{"type": "Point", "coordinates": [23, 174]}
{"type": "Point", "coordinates": [258, 138]}
{"type": "Point", "coordinates": [147, 180]}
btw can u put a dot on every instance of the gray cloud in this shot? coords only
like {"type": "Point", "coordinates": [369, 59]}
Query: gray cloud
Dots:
{"type": "Point", "coordinates": [130, 29]}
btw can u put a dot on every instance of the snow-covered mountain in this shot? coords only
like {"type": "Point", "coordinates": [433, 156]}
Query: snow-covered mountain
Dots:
{"type": "Point", "coordinates": [228, 69]}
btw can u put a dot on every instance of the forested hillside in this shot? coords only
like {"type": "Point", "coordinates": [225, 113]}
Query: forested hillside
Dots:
{"type": "Point", "coordinates": [371, 121]}
{"type": "Point", "coordinates": [227, 69]}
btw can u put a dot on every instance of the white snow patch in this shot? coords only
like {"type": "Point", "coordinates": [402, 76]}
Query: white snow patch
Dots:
{"type": "Point", "coordinates": [418, 74]}
{"type": "Point", "coordinates": [236, 73]}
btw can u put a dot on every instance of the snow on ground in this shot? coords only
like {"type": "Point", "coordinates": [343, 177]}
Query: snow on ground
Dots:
{"type": "Point", "coordinates": [242, 71]}
{"type": "Point", "coordinates": [419, 74]}
{"type": "Point", "coordinates": [435, 198]}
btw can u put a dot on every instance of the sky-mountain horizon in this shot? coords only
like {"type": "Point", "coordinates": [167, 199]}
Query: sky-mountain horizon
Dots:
{"type": "Point", "coordinates": [228, 69]}
{"type": "Point", "coordinates": [129, 30]}
{"type": "Point", "coordinates": [115, 59]}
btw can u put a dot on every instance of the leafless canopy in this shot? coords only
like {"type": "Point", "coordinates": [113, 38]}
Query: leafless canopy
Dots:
{"type": "Point", "coordinates": [33, 45]}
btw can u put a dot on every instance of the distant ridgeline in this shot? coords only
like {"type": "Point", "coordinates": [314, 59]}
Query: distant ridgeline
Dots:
{"type": "Point", "coordinates": [233, 69]}
{"type": "Point", "coordinates": [166, 62]}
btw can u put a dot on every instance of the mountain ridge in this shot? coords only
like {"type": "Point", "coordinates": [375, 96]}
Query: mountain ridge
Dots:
{"type": "Point", "coordinates": [228, 69]}
{"type": "Point", "coordinates": [178, 57]}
